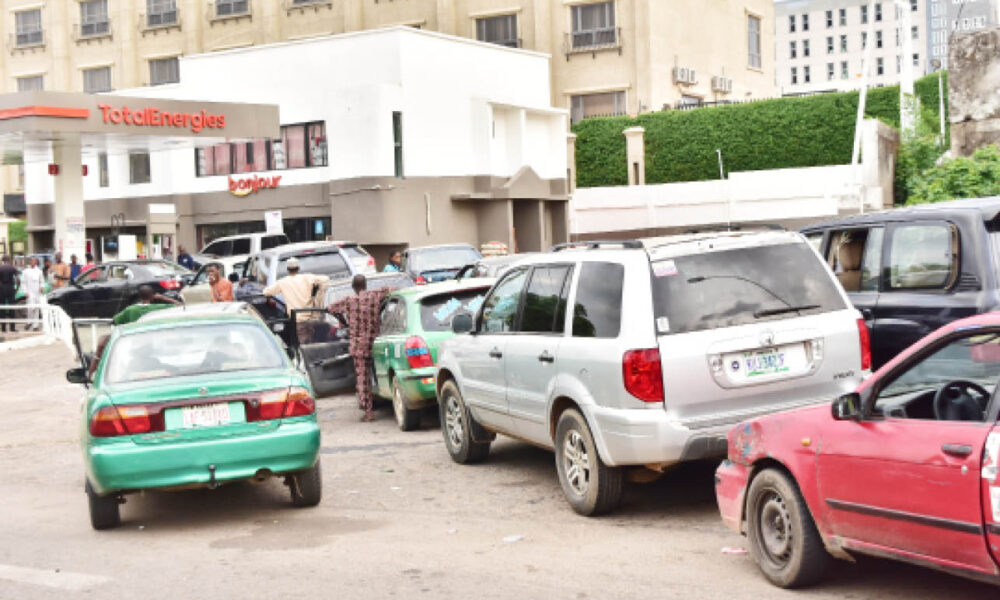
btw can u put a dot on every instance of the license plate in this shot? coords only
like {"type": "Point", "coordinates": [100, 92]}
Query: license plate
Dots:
{"type": "Point", "coordinates": [767, 364]}
{"type": "Point", "coordinates": [205, 415]}
{"type": "Point", "coordinates": [764, 363]}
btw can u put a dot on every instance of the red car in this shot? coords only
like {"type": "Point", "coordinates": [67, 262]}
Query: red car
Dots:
{"type": "Point", "coordinates": [904, 468]}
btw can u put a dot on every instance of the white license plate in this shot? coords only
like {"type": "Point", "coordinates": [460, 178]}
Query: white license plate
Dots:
{"type": "Point", "coordinates": [768, 363]}
{"type": "Point", "coordinates": [205, 415]}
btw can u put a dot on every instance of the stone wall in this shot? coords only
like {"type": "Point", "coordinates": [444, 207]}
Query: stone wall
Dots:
{"type": "Point", "coordinates": [974, 90]}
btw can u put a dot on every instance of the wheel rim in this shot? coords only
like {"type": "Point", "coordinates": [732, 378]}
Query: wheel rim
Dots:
{"type": "Point", "coordinates": [397, 404]}
{"type": "Point", "coordinates": [453, 421]}
{"type": "Point", "coordinates": [576, 462]}
{"type": "Point", "coordinates": [775, 529]}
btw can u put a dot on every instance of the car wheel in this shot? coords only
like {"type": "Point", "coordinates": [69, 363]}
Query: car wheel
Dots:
{"type": "Point", "coordinates": [456, 426]}
{"type": "Point", "coordinates": [407, 418]}
{"type": "Point", "coordinates": [783, 538]}
{"type": "Point", "coordinates": [307, 486]}
{"type": "Point", "coordinates": [104, 512]}
{"type": "Point", "coordinates": [591, 487]}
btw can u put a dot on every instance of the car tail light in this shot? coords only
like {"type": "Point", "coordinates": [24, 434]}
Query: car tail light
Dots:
{"type": "Point", "coordinates": [112, 421]}
{"type": "Point", "coordinates": [418, 355]}
{"type": "Point", "coordinates": [420, 280]}
{"type": "Point", "coordinates": [278, 404]}
{"type": "Point", "coordinates": [170, 284]}
{"type": "Point", "coordinates": [371, 261]}
{"type": "Point", "coordinates": [866, 345]}
{"type": "Point", "coordinates": [643, 375]}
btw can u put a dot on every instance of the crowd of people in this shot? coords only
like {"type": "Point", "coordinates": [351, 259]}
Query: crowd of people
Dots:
{"type": "Point", "coordinates": [32, 282]}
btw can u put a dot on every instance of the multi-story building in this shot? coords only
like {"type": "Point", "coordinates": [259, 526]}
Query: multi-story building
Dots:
{"type": "Point", "coordinates": [948, 17]}
{"type": "Point", "coordinates": [820, 44]}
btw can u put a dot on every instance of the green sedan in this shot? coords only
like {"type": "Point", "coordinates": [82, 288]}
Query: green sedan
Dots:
{"type": "Point", "coordinates": [412, 324]}
{"type": "Point", "coordinates": [194, 400]}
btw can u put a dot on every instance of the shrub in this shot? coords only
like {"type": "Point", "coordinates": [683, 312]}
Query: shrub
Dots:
{"type": "Point", "coordinates": [964, 177]}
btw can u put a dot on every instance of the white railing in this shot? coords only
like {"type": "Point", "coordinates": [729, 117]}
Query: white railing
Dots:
{"type": "Point", "coordinates": [51, 322]}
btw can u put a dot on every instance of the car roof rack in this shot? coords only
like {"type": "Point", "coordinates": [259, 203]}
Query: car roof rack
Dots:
{"type": "Point", "coordinates": [598, 245]}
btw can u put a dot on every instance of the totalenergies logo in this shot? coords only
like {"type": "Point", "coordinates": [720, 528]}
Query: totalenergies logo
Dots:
{"type": "Point", "coordinates": [252, 185]}
{"type": "Point", "coordinates": [154, 117]}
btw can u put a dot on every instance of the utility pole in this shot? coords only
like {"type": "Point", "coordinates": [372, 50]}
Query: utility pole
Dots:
{"type": "Point", "coordinates": [908, 106]}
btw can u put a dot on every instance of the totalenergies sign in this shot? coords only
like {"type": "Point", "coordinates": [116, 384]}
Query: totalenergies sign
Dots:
{"type": "Point", "coordinates": [252, 185]}
{"type": "Point", "coordinates": [155, 117]}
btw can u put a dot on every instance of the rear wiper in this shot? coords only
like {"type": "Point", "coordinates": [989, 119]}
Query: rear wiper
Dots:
{"type": "Point", "coordinates": [769, 312]}
{"type": "Point", "coordinates": [702, 278]}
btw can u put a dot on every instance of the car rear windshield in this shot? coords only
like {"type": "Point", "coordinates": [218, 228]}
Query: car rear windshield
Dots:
{"type": "Point", "coordinates": [442, 259]}
{"type": "Point", "coordinates": [192, 350]}
{"type": "Point", "coordinates": [741, 286]}
{"type": "Point", "coordinates": [321, 263]}
{"type": "Point", "coordinates": [354, 252]}
{"type": "Point", "coordinates": [339, 289]}
{"type": "Point", "coordinates": [436, 312]}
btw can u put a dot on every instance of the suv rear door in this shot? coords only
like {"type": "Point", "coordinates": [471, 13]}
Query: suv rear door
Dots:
{"type": "Point", "coordinates": [325, 351]}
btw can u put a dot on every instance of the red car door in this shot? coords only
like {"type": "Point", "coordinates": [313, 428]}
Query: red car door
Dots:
{"type": "Point", "coordinates": [991, 492]}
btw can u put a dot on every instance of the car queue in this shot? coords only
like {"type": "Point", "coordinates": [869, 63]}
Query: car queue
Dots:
{"type": "Point", "coordinates": [753, 347]}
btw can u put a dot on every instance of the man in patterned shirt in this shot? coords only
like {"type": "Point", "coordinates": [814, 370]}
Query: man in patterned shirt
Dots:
{"type": "Point", "coordinates": [362, 314]}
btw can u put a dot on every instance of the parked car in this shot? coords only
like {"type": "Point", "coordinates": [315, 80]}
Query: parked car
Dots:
{"type": "Point", "coordinates": [413, 323]}
{"type": "Point", "coordinates": [490, 266]}
{"type": "Point", "coordinates": [914, 269]}
{"type": "Point", "coordinates": [646, 356]}
{"type": "Point", "coordinates": [428, 264]}
{"type": "Point", "coordinates": [324, 355]}
{"type": "Point", "coordinates": [198, 289]}
{"type": "Point", "coordinates": [363, 262]}
{"type": "Point", "coordinates": [106, 289]}
{"type": "Point", "coordinates": [905, 467]}
{"type": "Point", "coordinates": [194, 401]}
{"type": "Point", "coordinates": [239, 247]}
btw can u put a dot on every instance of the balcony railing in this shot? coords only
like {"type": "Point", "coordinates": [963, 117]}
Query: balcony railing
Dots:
{"type": "Point", "coordinates": [92, 30]}
{"type": "Point", "coordinates": [593, 40]}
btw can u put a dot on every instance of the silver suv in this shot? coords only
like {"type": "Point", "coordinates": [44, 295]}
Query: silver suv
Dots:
{"type": "Point", "coordinates": [647, 353]}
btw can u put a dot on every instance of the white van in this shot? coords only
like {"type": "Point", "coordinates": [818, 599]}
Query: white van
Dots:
{"type": "Point", "coordinates": [240, 246]}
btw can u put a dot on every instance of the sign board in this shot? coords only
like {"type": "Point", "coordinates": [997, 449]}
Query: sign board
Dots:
{"type": "Point", "coordinates": [251, 185]}
{"type": "Point", "coordinates": [272, 222]}
{"type": "Point", "coordinates": [127, 247]}
{"type": "Point", "coordinates": [74, 225]}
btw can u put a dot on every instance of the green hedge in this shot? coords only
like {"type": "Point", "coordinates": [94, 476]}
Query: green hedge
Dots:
{"type": "Point", "coordinates": [768, 134]}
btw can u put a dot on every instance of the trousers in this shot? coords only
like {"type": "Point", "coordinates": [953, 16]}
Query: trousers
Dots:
{"type": "Point", "coordinates": [7, 293]}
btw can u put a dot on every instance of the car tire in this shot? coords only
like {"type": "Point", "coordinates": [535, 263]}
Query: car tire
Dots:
{"type": "Point", "coordinates": [307, 486]}
{"type": "Point", "coordinates": [408, 419]}
{"type": "Point", "coordinates": [456, 426]}
{"type": "Point", "coordinates": [775, 512]}
{"type": "Point", "coordinates": [591, 487]}
{"type": "Point", "coordinates": [104, 513]}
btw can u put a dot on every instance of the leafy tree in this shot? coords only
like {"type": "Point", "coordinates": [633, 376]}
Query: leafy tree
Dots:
{"type": "Point", "coordinates": [16, 232]}
{"type": "Point", "coordinates": [963, 177]}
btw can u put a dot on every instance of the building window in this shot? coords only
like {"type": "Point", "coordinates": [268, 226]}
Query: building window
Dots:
{"type": "Point", "coordinates": [225, 8]}
{"type": "Point", "coordinates": [914, 32]}
{"type": "Point", "coordinates": [795, 75]}
{"type": "Point", "coordinates": [28, 27]}
{"type": "Point", "coordinates": [879, 66]}
{"type": "Point", "coordinates": [160, 13]}
{"type": "Point", "coordinates": [829, 19]}
{"type": "Point", "coordinates": [805, 22]}
{"type": "Point", "coordinates": [806, 78]}
{"type": "Point", "coordinates": [94, 18]}
{"type": "Point", "coordinates": [843, 43]}
{"type": "Point", "coordinates": [753, 37]}
{"type": "Point", "coordinates": [791, 23]}
{"type": "Point", "coordinates": [35, 83]}
{"type": "Point", "coordinates": [864, 14]}
{"type": "Point", "coordinates": [138, 167]}
{"type": "Point", "coordinates": [594, 25]}
{"type": "Point", "coordinates": [878, 11]}
{"type": "Point", "coordinates": [916, 60]}
{"type": "Point", "coordinates": [97, 80]}
{"type": "Point", "coordinates": [597, 105]}
{"type": "Point", "coordinates": [498, 30]}
{"type": "Point", "coordinates": [830, 71]}
{"type": "Point", "coordinates": [878, 39]}
{"type": "Point", "coordinates": [791, 50]}
{"type": "Point", "coordinates": [899, 63]}
{"type": "Point", "coordinates": [805, 47]}
{"type": "Point", "coordinates": [300, 145]}
{"type": "Point", "coordinates": [914, 5]}
{"type": "Point", "coordinates": [829, 44]}
{"type": "Point", "coordinates": [843, 69]}
{"type": "Point", "coordinates": [164, 70]}
{"type": "Point", "coordinates": [397, 141]}
{"type": "Point", "coordinates": [102, 169]}
{"type": "Point", "coordinates": [864, 40]}
{"type": "Point", "coordinates": [843, 17]}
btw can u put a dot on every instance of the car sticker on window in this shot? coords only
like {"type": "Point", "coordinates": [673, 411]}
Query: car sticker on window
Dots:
{"type": "Point", "coordinates": [664, 268]}
{"type": "Point", "coordinates": [447, 309]}
{"type": "Point", "coordinates": [475, 303]}
{"type": "Point", "coordinates": [662, 325]}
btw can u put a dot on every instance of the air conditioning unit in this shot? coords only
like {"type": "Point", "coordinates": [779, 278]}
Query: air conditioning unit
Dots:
{"type": "Point", "coordinates": [722, 84]}
{"type": "Point", "coordinates": [685, 75]}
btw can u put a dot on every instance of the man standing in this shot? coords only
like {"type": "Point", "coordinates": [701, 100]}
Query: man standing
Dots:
{"type": "Point", "coordinates": [33, 282]}
{"type": "Point", "coordinates": [59, 272]}
{"type": "Point", "coordinates": [395, 264]}
{"type": "Point", "coordinates": [74, 267]}
{"type": "Point", "coordinates": [299, 290]}
{"type": "Point", "coordinates": [184, 259]}
{"type": "Point", "coordinates": [361, 312]}
{"type": "Point", "coordinates": [222, 289]}
{"type": "Point", "coordinates": [149, 301]}
{"type": "Point", "coordinates": [90, 263]}
{"type": "Point", "coordinates": [8, 289]}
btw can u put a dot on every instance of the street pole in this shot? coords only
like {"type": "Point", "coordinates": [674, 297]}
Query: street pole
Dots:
{"type": "Point", "coordinates": [908, 108]}
{"type": "Point", "coordinates": [865, 69]}
{"type": "Point", "coordinates": [729, 200]}
{"type": "Point", "coordinates": [941, 103]}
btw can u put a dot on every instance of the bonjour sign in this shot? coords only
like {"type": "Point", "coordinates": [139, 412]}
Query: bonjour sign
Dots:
{"type": "Point", "coordinates": [252, 185]}
{"type": "Point", "coordinates": [155, 117]}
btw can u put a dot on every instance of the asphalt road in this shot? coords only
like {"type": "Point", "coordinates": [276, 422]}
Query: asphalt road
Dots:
{"type": "Point", "coordinates": [398, 520]}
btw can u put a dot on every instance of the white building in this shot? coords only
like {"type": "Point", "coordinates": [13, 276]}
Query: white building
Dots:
{"type": "Point", "coordinates": [390, 137]}
{"type": "Point", "coordinates": [948, 17]}
{"type": "Point", "coordinates": [819, 44]}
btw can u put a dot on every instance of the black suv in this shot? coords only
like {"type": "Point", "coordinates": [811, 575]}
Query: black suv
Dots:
{"type": "Point", "coordinates": [911, 270]}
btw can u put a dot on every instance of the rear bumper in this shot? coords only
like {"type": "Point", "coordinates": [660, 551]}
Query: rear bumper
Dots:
{"type": "Point", "coordinates": [730, 491]}
{"type": "Point", "coordinates": [418, 387]}
{"type": "Point", "coordinates": [649, 436]}
{"type": "Point", "coordinates": [124, 465]}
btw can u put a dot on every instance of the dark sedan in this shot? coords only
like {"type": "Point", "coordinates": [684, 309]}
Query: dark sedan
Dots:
{"type": "Point", "coordinates": [106, 289]}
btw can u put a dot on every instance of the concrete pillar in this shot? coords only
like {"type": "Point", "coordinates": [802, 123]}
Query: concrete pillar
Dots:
{"type": "Point", "coordinates": [354, 15]}
{"type": "Point", "coordinates": [67, 190]}
{"type": "Point", "coordinates": [635, 151]}
{"type": "Point", "coordinates": [570, 163]}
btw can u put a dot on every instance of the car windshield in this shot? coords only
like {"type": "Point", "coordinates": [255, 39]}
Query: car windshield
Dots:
{"type": "Point", "coordinates": [192, 350]}
{"type": "Point", "coordinates": [436, 312]}
{"type": "Point", "coordinates": [321, 263]}
{"type": "Point", "coordinates": [442, 259]}
{"type": "Point", "coordinates": [740, 286]}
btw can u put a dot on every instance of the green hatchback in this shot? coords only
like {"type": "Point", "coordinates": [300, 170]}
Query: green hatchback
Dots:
{"type": "Point", "coordinates": [195, 400]}
{"type": "Point", "coordinates": [413, 322]}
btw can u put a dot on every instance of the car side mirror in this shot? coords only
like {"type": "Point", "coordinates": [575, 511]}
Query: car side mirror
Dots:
{"type": "Point", "coordinates": [847, 407]}
{"type": "Point", "coordinates": [462, 323]}
{"type": "Point", "coordinates": [77, 375]}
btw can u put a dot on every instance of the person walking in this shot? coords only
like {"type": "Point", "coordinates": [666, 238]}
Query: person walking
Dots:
{"type": "Point", "coordinates": [184, 259]}
{"type": "Point", "coordinates": [59, 272]}
{"type": "Point", "coordinates": [90, 263]}
{"type": "Point", "coordinates": [222, 288]}
{"type": "Point", "coordinates": [299, 290]}
{"type": "Point", "coordinates": [33, 283]}
{"type": "Point", "coordinates": [9, 282]}
{"type": "Point", "coordinates": [74, 267]}
{"type": "Point", "coordinates": [361, 311]}
{"type": "Point", "coordinates": [149, 301]}
{"type": "Point", "coordinates": [395, 264]}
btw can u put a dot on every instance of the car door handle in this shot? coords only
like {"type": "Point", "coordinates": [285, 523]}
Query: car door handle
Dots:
{"type": "Point", "coordinates": [545, 357]}
{"type": "Point", "coordinates": [961, 450]}
{"type": "Point", "coordinates": [495, 353]}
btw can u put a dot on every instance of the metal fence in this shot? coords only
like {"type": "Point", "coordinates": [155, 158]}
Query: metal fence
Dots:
{"type": "Point", "coordinates": [50, 322]}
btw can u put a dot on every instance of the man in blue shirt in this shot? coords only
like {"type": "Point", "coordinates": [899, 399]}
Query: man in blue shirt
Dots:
{"type": "Point", "coordinates": [74, 267]}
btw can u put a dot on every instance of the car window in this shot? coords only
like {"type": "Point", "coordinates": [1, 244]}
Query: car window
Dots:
{"type": "Point", "coordinates": [270, 241]}
{"type": "Point", "coordinates": [500, 307]}
{"type": "Point", "coordinates": [871, 264]}
{"type": "Point", "coordinates": [321, 263]}
{"type": "Point", "coordinates": [261, 268]}
{"type": "Point", "coordinates": [597, 309]}
{"type": "Point", "coordinates": [727, 288]}
{"type": "Point", "coordinates": [120, 272]}
{"type": "Point", "coordinates": [855, 255]}
{"type": "Point", "coordinates": [545, 301]}
{"type": "Point", "coordinates": [241, 246]}
{"type": "Point", "coordinates": [202, 275]}
{"type": "Point", "coordinates": [923, 256]}
{"type": "Point", "coordinates": [436, 312]}
{"type": "Point", "coordinates": [816, 240]}
{"type": "Point", "coordinates": [220, 248]}
{"type": "Point", "coordinates": [393, 318]}
{"type": "Point", "coordinates": [92, 275]}
{"type": "Point", "coordinates": [974, 359]}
